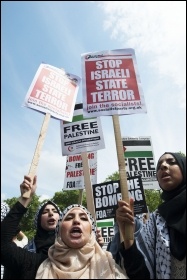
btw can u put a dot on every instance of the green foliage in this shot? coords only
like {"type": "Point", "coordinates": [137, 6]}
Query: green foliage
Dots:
{"type": "Point", "coordinates": [153, 199]}
{"type": "Point", "coordinates": [182, 154]}
{"type": "Point", "coordinates": [113, 177]}
{"type": "Point", "coordinates": [11, 201]}
{"type": "Point", "coordinates": [66, 198]}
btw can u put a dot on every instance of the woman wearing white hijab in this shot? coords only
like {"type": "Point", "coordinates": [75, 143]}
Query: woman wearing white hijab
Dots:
{"type": "Point", "coordinates": [76, 253]}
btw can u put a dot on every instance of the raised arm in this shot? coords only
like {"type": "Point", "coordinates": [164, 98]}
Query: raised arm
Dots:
{"type": "Point", "coordinates": [132, 259]}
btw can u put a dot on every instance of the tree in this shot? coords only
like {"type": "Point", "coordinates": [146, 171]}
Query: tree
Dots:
{"type": "Point", "coordinates": [66, 198]}
{"type": "Point", "coordinates": [113, 177]}
{"type": "Point", "coordinates": [153, 199]}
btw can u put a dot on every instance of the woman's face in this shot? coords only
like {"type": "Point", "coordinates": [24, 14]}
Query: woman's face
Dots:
{"type": "Point", "coordinates": [76, 228]}
{"type": "Point", "coordinates": [169, 174]}
{"type": "Point", "coordinates": [49, 217]}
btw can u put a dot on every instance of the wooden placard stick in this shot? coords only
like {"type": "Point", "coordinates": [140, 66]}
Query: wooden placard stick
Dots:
{"type": "Point", "coordinates": [80, 196]}
{"type": "Point", "coordinates": [129, 233]}
{"type": "Point", "coordinates": [35, 160]}
{"type": "Point", "coordinates": [88, 185]}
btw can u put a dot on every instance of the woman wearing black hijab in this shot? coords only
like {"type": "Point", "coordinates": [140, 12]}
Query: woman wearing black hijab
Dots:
{"type": "Point", "coordinates": [162, 240]}
{"type": "Point", "coordinates": [44, 237]}
{"type": "Point", "coordinates": [173, 209]}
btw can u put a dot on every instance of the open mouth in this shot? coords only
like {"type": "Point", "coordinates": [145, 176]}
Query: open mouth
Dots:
{"type": "Point", "coordinates": [76, 232]}
{"type": "Point", "coordinates": [164, 175]}
{"type": "Point", "coordinates": [51, 221]}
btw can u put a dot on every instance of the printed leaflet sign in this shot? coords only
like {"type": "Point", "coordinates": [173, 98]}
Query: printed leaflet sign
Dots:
{"type": "Point", "coordinates": [74, 176]}
{"type": "Point", "coordinates": [111, 84]}
{"type": "Point", "coordinates": [53, 91]}
{"type": "Point", "coordinates": [139, 159]}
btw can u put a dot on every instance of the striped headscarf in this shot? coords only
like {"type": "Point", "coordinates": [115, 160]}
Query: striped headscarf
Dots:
{"type": "Point", "coordinates": [4, 210]}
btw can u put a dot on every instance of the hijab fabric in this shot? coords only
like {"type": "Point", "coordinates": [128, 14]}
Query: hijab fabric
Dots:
{"type": "Point", "coordinates": [173, 210]}
{"type": "Point", "coordinates": [4, 210]}
{"type": "Point", "coordinates": [88, 262]}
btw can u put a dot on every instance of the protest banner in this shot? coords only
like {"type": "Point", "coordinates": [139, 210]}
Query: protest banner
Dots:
{"type": "Point", "coordinates": [53, 92]}
{"type": "Point", "coordinates": [74, 175]}
{"type": "Point", "coordinates": [111, 83]}
{"type": "Point", "coordinates": [139, 159]}
{"type": "Point", "coordinates": [111, 86]}
{"type": "Point", "coordinates": [106, 196]}
{"type": "Point", "coordinates": [81, 134]}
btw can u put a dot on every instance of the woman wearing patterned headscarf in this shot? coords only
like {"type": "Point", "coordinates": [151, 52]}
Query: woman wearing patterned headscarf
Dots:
{"type": "Point", "coordinates": [4, 210]}
{"type": "Point", "coordinates": [76, 253]}
{"type": "Point", "coordinates": [162, 240]}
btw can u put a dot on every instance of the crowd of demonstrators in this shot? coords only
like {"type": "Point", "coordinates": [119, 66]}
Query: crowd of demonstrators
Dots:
{"type": "Point", "coordinates": [158, 250]}
{"type": "Point", "coordinates": [76, 254]}
{"type": "Point", "coordinates": [23, 263]}
{"type": "Point", "coordinates": [162, 239]}
{"type": "Point", "coordinates": [20, 239]}
{"type": "Point", "coordinates": [4, 211]}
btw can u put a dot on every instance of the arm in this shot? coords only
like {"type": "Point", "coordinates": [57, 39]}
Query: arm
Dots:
{"type": "Point", "coordinates": [133, 260]}
{"type": "Point", "coordinates": [14, 258]}
{"type": "Point", "coordinates": [10, 223]}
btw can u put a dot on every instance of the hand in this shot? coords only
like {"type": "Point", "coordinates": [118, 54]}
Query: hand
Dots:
{"type": "Point", "coordinates": [29, 183]}
{"type": "Point", "coordinates": [99, 238]}
{"type": "Point", "coordinates": [124, 216]}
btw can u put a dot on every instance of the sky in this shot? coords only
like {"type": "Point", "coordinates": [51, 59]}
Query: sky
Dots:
{"type": "Point", "coordinates": [57, 33]}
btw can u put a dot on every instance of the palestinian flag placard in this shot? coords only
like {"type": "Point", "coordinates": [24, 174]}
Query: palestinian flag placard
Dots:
{"type": "Point", "coordinates": [139, 159]}
{"type": "Point", "coordinates": [107, 230]}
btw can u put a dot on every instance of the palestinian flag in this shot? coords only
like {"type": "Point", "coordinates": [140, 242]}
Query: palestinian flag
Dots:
{"type": "Point", "coordinates": [137, 148]}
{"type": "Point", "coordinates": [78, 113]}
{"type": "Point", "coordinates": [105, 223]}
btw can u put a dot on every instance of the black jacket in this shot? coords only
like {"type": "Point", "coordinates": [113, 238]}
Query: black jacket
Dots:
{"type": "Point", "coordinates": [18, 262]}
